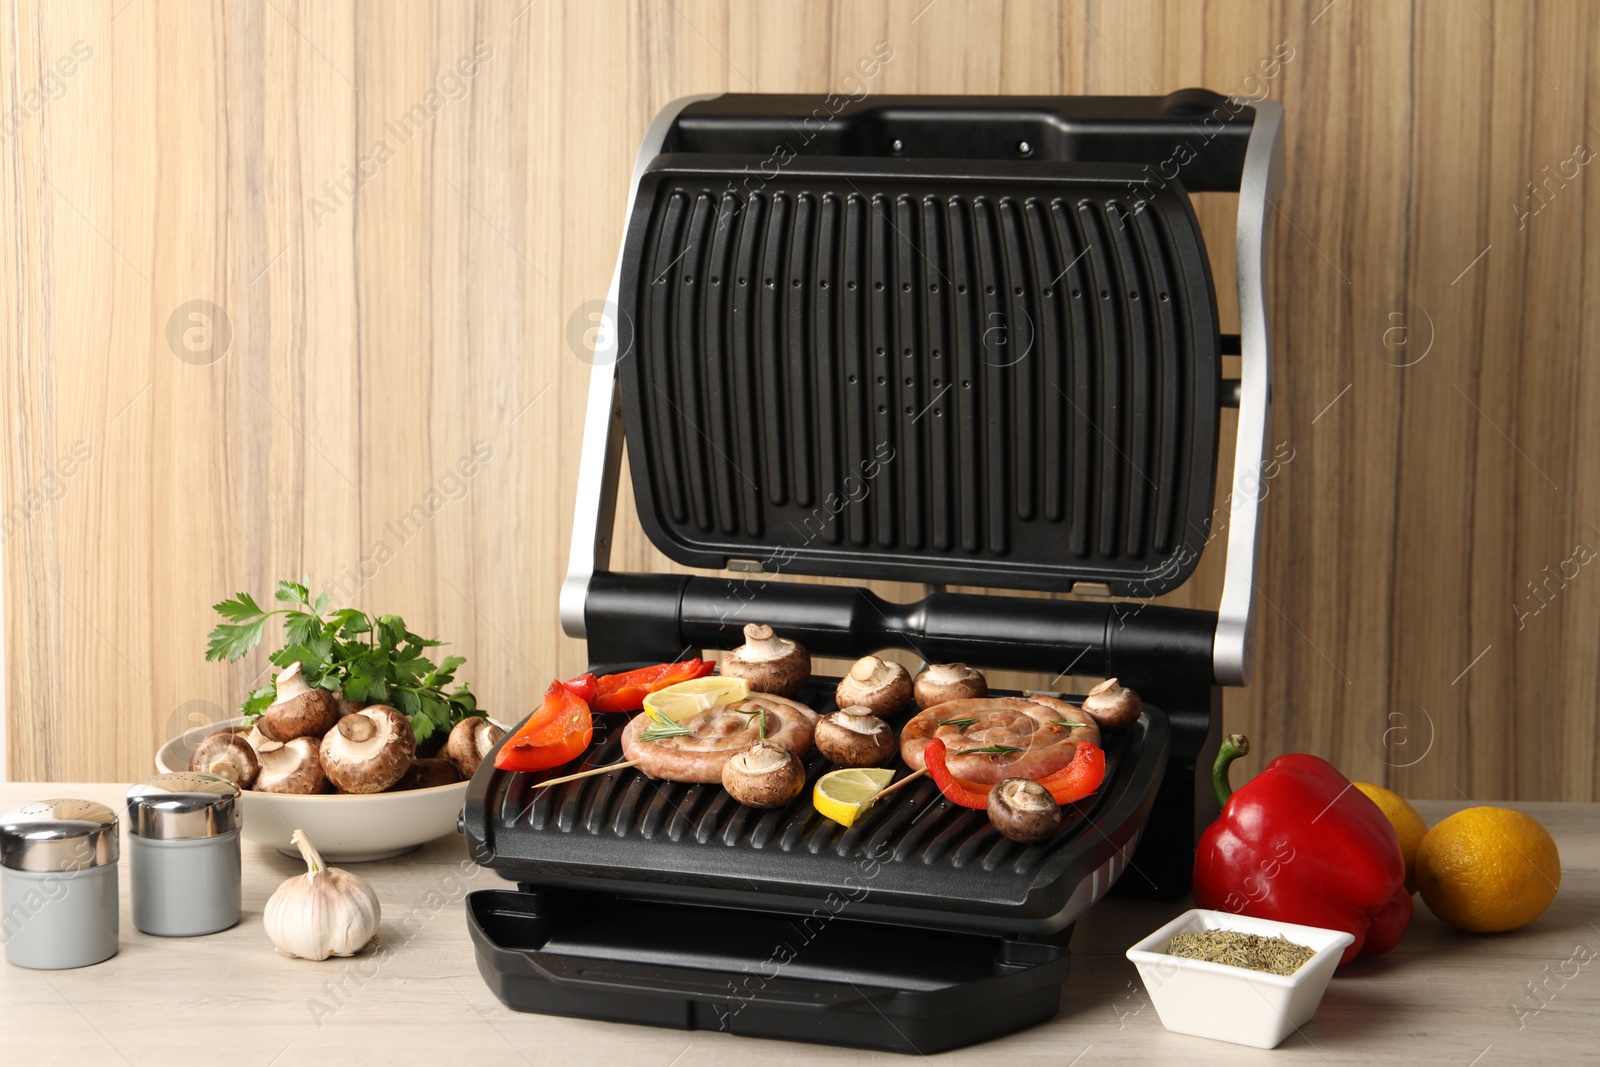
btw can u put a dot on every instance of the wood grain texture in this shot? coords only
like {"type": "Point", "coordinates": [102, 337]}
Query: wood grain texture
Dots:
{"type": "Point", "coordinates": [402, 253]}
{"type": "Point", "coordinates": [1439, 997]}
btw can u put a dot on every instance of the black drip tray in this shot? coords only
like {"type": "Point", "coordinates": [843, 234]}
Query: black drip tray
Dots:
{"type": "Point", "coordinates": [822, 977]}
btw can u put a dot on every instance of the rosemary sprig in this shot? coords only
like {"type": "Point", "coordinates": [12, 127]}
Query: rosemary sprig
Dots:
{"type": "Point", "coordinates": [1067, 722]}
{"type": "Point", "coordinates": [661, 729]}
{"type": "Point", "coordinates": [959, 724]}
{"type": "Point", "coordinates": [987, 750]}
{"type": "Point", "coordinates": [759, 717]}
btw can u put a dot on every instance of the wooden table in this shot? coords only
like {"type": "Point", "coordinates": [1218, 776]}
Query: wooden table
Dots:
{"type": "Point", "coordinates": [1441, 997]}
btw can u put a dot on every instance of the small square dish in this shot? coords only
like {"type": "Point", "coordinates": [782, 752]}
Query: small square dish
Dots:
{"type": "Point", "coordinates": [1234, 1004]}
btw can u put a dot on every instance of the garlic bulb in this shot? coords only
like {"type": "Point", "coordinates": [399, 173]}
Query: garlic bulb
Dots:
{"type": "Point", "coordinates": [325, 912]}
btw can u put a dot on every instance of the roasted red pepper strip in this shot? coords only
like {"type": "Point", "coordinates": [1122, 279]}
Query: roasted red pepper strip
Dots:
{"type": "Point", "coordinates": [626, 691]}
{"type": "Point", "coordinates": [572, 715]}
{"type": "Point", "coordinates": [1076, 780]}
{"type": "Point", "coordinates": [556, 733]}
{"type": "Point", "coordinates": [586, 686]}
{"type": "Point", "coordinates": [1081, 777]}
{"type": "Point", "coordinates": [1298, 844]}
{"type": "Point", "coordinates": [582, 687]}
{"type": "Point", "coordinates": [967, 794]}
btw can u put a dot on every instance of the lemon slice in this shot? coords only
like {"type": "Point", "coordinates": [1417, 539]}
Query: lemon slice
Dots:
{"type": "Point", "coordinates": [677, 702]}
{"type": "Point", "coordinates": [843, 795]}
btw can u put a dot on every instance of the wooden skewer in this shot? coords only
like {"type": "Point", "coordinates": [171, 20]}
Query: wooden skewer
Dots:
{"type": "Point", "coordinates": [591, 772]}
{"type": "Point", "coordinates": [625, 764]}
{"type": "Point", "coordinates": [908, 779]}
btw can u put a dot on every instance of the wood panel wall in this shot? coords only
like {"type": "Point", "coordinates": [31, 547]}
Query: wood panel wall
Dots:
{"type": "Point", "coordinates": [279, 273]}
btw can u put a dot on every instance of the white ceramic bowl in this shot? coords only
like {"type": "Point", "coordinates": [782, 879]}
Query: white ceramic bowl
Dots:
{"type": "Point", "coordinates": [346, 828]}
{"type": "Point", "coordinates": [1231, 1003]}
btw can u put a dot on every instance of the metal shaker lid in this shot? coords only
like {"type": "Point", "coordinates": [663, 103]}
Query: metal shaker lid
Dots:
{"type": "Point", "coordinates": [182, 806]}
{"type": "Point", "coordinates": [58, 836]}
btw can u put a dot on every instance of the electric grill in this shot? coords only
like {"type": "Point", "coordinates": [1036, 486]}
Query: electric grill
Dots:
{"type": "Point", "coordinates": [948, 340]}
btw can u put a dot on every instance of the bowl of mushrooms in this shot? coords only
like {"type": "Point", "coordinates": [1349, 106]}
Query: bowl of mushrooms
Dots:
{"type": "Point", "coordinates": [361, 740]}
{"type": "Point", "coordinates": [350, 777]}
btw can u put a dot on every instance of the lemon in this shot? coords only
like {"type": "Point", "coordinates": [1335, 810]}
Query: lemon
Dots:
{"type": "Point", "coordinates": [677, 702]}
{"type": "Point", "coordinates": [1408, 825]}
{"type": "Point", "coordinates": [1485, 870]}
{"type": "Point", "coordinates": [843, 795]}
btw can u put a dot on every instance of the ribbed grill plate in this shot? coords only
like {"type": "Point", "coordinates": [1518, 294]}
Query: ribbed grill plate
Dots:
{"type": "Point", "coordinates": [999, 380]}
{"type": "Point", "coordinates": [915, 854]}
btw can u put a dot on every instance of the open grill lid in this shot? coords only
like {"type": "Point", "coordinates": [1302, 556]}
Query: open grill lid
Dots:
{"type": "Point", "coordinates": [954, 340]}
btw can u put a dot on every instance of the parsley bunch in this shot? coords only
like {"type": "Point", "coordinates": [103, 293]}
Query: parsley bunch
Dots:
{"type": "Point", "coordinates": [370, 661]}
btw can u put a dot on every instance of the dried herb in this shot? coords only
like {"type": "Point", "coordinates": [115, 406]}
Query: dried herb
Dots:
{"type": "Point", "coordinates": [1253, 952]}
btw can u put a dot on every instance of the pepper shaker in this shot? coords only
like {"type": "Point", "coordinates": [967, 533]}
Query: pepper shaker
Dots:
{"type": "Point", "coordinates": [183, 841]}
{"type": "Point", "coordinates": [58, 883]}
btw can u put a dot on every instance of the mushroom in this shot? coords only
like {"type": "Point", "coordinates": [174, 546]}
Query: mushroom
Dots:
{"type": "Point", "coordinates": [298, 711]}
{"type": "Point", "coordinates": [227, 755]}
{"type": "Point", "coordinates": [369, 750]}
{"type": "Point", "coordinates": [771, 664]}
{"type": "Point", "coordinates": [765, 775]}
{"type": "Point", "coordinates": [942, 682]}
{"type": "Point", "coordinates": [344, 707]}
{"type": "Point", "coordinates": [469, 742]}
{"type": "Point", "coordinates": [427, 773]}
{"type": "Point", "coordinates": [291, 767]}
{"type": "Point", "coordinates": [1111, 705]}
{"type": "Point", "coordinates": [1023, 810]}
{"type": "Point", "coordinates": [883, 688]}
{"type": "Point", "coordinates": [247, 731]}
{"type": "Point", "coordinates": [854, 737]}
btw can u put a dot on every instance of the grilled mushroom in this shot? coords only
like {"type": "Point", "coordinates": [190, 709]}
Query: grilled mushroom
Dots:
{"type": "Point", "coordinates": [291, 767]}
{"type": "Point", "coordinates": [427, 773]}
{"type": "Point", "coordinates": [299, 710]}
{"type": "Point", "coordinates": [469, 742]}
{"type": "Point", "coordinates": [771, 664]}
{"type": "Point", "coordinates": [1023, 810]}
{"type": "Point", "coordinates": [854, 737]}
{"type": "Point", "coordinates": [1111, 705]}
{"type": "Point", "coordinates": [883, 688]}
{"type": "Point", "coordinates": [227, 755]}
{"type": "Point", "coordinates": [369, 750]}
{"type": "Point", "coordinates": [764, 775]}
{"type": "Point", "coordinates": [949, 681]}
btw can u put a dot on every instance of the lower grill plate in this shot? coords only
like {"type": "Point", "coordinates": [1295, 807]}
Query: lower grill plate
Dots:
{"type": "Point", "coordinates": [915, 859]}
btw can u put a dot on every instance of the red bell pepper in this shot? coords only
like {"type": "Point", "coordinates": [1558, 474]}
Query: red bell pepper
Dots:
{"type": "Point", "coordinates": [1078, 779]}
{"type": "Point", "coordinates": [626, 691]}
{"type": "Point", "coordinates": [556, 733]}
{"type": "Point", "coordinates": [1298, 843]}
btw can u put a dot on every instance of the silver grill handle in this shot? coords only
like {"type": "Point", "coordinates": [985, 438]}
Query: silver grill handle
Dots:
{"type": "Point", "coordinates": [600, 464]}
{"type": "Point", "coordinates": [1233, 653]}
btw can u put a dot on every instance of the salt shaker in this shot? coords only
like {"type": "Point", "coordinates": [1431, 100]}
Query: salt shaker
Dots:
{"type": "Point", "coordinates": [58, 884]}
{"type": "Point", "coordinates": [183, 841]}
